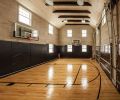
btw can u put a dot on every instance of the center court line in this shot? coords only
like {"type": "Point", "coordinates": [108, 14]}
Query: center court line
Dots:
{"type": "Point", "coordinates": [77, 74]}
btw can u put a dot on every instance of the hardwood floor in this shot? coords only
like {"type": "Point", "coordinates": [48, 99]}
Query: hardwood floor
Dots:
{"type": "Point", "coordinates": [62, 79]}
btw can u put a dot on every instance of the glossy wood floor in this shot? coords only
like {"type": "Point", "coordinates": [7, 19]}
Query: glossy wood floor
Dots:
{"type": "Point", "coordinates": [62, 79]}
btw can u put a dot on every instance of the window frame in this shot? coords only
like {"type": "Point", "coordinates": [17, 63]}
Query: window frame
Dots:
{"type": "Point", "coordinates": [69, 48]}
{"type": "Point", "coordinates": [109, 48]}
{"type": "Point", "coordinates": [106, 49]}
{"type": "Point", "coordinates": [69, 33]}
{"type": "Point", "coordinates": [84, 33]}
{"type": "Point", "coordinates": [50, 29]}
{"type": "Point", "coordinates": [84, 49]}
{"type": "Point", "coordinates": [21, 14]}
{"type": "Point", "coordinates": [51, 48]}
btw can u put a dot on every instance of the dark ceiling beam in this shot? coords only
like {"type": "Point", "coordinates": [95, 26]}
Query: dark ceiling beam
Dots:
{"type": "Point", "coordinates": [72, 11]}
{"type": "Point", "coordinates": [77, 20]}
{"type": "Point", "coordinates": [77, 24]}
{"type": "Point", "coordinates": [68, 3]}
{"type": "Point", "coordinates": [73, 16]}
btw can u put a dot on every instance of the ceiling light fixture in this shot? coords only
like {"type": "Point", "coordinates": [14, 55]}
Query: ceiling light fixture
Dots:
{"type": "Point", "coordinates": [49, 2]}
{"type": "Point", "coordinates": [65, 21]}
{"type": "Point", "coordinates": [80, 2]}
{"type": "Point", "coordinates": [83, 21]}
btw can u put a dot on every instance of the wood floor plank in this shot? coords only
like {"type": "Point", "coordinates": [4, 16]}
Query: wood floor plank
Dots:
{"type": "Point", "coordinates": [62, 79]}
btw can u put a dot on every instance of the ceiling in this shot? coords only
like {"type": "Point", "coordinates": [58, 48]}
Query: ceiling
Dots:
{"type": "Point", "coordinates": [70, 11]}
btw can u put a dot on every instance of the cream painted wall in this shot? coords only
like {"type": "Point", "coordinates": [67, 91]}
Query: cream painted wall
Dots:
{"type": "Point", "coordinates": [104, 35]}
{"type": "Point", "coordinates": [77, 34]}
{"type": "Point", "coordinates": [9, 15]}
{"type": "Point", "coordinates": [97, 37]}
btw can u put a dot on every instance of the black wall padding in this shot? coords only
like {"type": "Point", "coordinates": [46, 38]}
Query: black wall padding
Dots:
{"type": "Point", "coordinates": [15, 56]}
{"type": "Point", "coordinates": [77, 52]}
{"type": "Point", "coordinates": [37, 54]}
{"type": "Point", "coordinates": [5, 57]}
{"type": "Point", "coordinates": [20, 55]}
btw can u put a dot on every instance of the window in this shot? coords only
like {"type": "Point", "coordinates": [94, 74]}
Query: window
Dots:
{"type": "Point", "coordinates": [106, 48]}
{"type": "Point", "coordinates": [69, 48]}
{"type": "Point", "coordinates": [35, 34]}
{"type": "Point", "coordinates": [103, 17]}
{"type": "Point", "coordinates": [84, 33]}
{"type": "Point", "coordinates": [84, 48]}
{"type": "Point", "coordinates": [69, 33]}
{"type": "Point", "coordinates": [109, 48]}
{"type": "Point", "coordinates": [50, 29]}
{"type": "Point", "coordinates": [51, 48]}
{"type": "Point", "coordinates": [25, 16]}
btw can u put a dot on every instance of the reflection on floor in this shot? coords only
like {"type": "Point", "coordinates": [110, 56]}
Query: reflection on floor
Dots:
{"type": "Point", "coordinates": [62, 79]}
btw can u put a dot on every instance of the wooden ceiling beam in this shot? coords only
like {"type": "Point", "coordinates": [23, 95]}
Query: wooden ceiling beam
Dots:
{"type": "Point", "coordinates": [77, 24]}
{"type": "Point", "coordinates": [73, 16]}
{"type": "Point", "coordinates": [72, 11]}
{"type": "Point", "coordinates": [77, 20]}
{"type": "Point", "coordinates": [68, 3]}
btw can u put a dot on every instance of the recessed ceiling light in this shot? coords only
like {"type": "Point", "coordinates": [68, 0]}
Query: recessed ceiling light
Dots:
{"type": "Point", "coordinates": [80, 2]}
